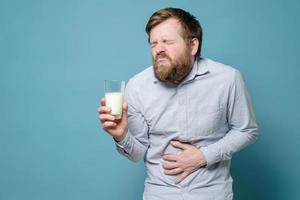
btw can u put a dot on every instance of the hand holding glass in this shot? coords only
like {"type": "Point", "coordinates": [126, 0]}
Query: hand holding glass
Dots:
{"type": "Point", "coordinates": [114, 91]}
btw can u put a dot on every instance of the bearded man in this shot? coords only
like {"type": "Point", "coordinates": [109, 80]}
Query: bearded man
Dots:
{"type": "Point", "coordinates": [185, 116]}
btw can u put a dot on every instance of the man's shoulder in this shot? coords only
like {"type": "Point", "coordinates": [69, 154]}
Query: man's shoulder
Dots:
{"type": "Point", "coordinates": [143, 76]}
{"type": "Point", "coordinates": [141, 79]}
{"type": "Point", "coordinates": [220, 68]}
{"type": "Point", "coordinates": [222, 72]}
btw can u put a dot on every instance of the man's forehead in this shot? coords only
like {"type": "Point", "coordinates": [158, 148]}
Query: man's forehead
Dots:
{"type": "Point", "coordinates": [167, 28]}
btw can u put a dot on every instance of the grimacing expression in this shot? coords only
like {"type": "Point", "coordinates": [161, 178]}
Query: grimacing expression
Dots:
{"type": "Point", "coordinates": [173, 70]}
{"type": "Point", "coordinates": [172, 56]}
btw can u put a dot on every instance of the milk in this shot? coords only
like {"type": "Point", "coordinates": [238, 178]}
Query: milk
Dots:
{"type": "Point", "coordinates": [114, 101]}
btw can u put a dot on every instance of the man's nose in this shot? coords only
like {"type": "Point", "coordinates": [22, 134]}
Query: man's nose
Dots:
{"type": "Point", "coordinates": [159, 48]}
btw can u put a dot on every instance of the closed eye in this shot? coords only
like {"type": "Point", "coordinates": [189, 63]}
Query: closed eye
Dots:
{"type": "Point", "coordinates": [153, 44]}
{"type": "Point", "coordinates": [168, 41]}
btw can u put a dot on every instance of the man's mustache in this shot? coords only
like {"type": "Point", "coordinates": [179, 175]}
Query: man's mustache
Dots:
{"type": "Point", "coordinates": [162, 55]}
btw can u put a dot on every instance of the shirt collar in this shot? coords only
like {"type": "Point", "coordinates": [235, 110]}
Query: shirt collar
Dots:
{"type": "Point", "coordinates": [199, 69]}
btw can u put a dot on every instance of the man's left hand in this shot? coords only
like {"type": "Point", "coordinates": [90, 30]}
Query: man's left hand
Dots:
{"type": "Point", "coordinates": [189, 160]}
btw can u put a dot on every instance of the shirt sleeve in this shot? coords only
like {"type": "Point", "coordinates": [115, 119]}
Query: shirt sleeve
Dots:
{"type": "Point", "coordinates": [243, 128]}
{"type": "Point", "coordinates": [135, 143]}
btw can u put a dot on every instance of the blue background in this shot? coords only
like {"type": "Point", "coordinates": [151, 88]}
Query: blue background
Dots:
{"type": "Point", "coordinates": [54, 56]}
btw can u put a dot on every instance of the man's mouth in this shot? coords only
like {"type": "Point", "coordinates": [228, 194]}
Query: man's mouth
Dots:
{"type": "Point", "coordinates": [161, 60]}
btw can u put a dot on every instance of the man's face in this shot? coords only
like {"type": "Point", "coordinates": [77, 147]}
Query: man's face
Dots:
{"type": "Point", "coordinates": [171, 56]}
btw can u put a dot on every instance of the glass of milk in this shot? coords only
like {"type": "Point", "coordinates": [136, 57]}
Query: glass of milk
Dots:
{"type": "Point", "coordinates": [114, 90]}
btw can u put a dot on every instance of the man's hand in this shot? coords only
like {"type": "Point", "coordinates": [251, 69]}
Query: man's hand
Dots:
{"type": "Point", "coordinates": [188, 161]}
{"type": "Point", "coordinates": [117, 128]}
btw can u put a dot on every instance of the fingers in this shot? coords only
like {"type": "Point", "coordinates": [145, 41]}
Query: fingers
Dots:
{"type": "Point", "coordinates": [171, 165]}
{"type": "Point", "coordinates": [172, 168]}
{"type": "Point", "coordinates": [173, 171]}
{"type": "Point", "coordinates": [170, 157]}
{"type": "Point", "coordinates": [103, 109]}
{"type": "Point", "coordinates": [109, 125]}
{"type": "Point", "coordinates": [103, 102]}
{"type": "Point", "coordinates": [106, 117]}
{"type": "Point", "coordinates": [104, 114]}
{"type": "Point", "coordinates": [179, 145]}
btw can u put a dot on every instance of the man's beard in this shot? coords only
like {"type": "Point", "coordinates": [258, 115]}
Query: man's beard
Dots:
{"type": "Point", "coordinates": [175, 70]}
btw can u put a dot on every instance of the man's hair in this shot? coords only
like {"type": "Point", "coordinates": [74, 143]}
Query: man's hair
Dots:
{"type": "Point", "coordinates": [191, 26]}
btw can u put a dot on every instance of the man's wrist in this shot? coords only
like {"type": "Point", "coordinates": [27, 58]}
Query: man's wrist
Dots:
{"type": "Point", "coordinates": [120, 138]}
{"type": "Point", "coordinates": [202, 161]}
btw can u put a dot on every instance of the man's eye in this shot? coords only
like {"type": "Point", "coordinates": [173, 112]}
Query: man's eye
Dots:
{"type": "Point", "coordinates": [153, 44]}
{"type": "Point", "coordinates": [169, 41]}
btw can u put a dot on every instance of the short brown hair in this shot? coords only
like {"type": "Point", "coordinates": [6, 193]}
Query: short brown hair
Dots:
{"type": "Point", "coordinates": [191, 26]}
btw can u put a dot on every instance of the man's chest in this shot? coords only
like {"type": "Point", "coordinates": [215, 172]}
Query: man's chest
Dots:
{"type": "Point", "coordinates": [194, 110]}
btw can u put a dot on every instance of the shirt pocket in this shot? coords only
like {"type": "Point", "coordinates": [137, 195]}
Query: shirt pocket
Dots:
{"type": "Point", "coordinates": [205, 120]}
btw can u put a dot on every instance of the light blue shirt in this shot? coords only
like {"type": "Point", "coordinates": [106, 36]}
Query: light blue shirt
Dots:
{"type": "Point", "coordinates": [210, 109]}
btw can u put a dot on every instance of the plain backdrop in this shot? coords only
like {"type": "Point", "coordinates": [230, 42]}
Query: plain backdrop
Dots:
{"type": "Point", "coordinates": [55, 55]}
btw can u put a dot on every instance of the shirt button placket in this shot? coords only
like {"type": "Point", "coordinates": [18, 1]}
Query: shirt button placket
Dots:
{"type": "Point", "coordinates": [183, 193]}
{"type": "Point", "coordinates": [182, 111]}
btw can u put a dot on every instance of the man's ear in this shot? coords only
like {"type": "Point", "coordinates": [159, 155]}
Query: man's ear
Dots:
{"type": "Point", "coordinates": [194, 46]}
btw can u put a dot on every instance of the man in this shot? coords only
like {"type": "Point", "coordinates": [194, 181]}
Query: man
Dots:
{"type": "Point", "coordinates": [185, 116]}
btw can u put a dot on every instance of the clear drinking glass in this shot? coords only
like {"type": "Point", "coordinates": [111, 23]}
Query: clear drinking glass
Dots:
{"type": "Point", "coordinates": [114, 91]}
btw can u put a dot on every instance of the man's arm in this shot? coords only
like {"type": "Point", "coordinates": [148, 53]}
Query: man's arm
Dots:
{"type": "Point", "coordinates": [242, 124]}
{"type": "Point", "coordinates": [135, 142]}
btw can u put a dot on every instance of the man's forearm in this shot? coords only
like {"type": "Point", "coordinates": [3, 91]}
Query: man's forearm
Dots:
{"type": "Point", "coordinates": [131, 148]}
{"type": "Point", "coordinates": [232, 142]}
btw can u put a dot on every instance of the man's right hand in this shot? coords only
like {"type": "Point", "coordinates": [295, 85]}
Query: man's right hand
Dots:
{"type": "Point", "coordinates": [117, 128]}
